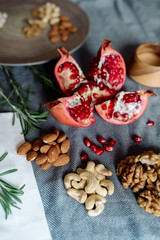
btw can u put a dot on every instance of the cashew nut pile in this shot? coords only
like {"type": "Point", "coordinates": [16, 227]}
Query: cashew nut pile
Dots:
{"type": "Point", "coordinates": [90, 186]}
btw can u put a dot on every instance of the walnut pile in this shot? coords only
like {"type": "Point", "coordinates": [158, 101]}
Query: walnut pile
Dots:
{"type": "Point", "coordinates": [142, 174]}
{"type": "Point", "coordinates": [49, 14]}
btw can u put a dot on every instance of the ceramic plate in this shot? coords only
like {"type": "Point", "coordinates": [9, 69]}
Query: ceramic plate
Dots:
{"type": "Point", "coordinates": [16, 49]}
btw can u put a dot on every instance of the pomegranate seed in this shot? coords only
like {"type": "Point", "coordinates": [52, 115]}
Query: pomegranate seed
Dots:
{"type": "Point", "coordinates": [84, 156]}
{"type": "Point", "coordinates": [95, 95]}
{"type": "Point", "coordinates": [104, 106]}
{"type": "Point", "coordinates": [137, 139]}
{"type": "Point", "coordinates": [150, 123]}
{"type": "Point", "coordinates": [101, 139]}
{"type": "Point", "coordinates": [108, 148]}
{"type": "Point", "coordinates": [87, 142]}
{"type": "Point", "coordinates": [116, 114]}
{"type": "Point", "coordinates": [93, 147]}
{"type": "Point", "coordinates": [66, 64]}
{"type": "Point", "coordinates": [73, 76]}
{"type": "Point", "coordinates": [60, 69]}
{"type": "Point", "coordinates": [101, 85]}
{"type": "Point", "coordinates": [112, 143]}
{"type": "Point", "coordinates": [99, 151]}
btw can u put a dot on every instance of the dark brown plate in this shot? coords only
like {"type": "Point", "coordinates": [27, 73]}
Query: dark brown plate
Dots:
{"type": "Point", "coordinates": [16, 49]}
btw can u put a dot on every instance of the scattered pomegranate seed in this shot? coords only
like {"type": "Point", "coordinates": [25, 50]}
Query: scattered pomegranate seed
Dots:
{"type": "Point", "coordinates": [112, 143]}
{"type": "Point", "coordinates": [137, 139]}
{"type": "Point", "coordinates": [93, 147]}
{"type": "Point", "coordinates": [150, 123]}
{"type": "Point", "coordinates": [99, 151]}
{"type": "Point", "coordinates": [101, 139]}
{"type": "Point", "coordinates": [84, 156]}
{"type": "Point", "coordinates": [87, 142]}
{"type": "Point", "coordinates": [108, 148]}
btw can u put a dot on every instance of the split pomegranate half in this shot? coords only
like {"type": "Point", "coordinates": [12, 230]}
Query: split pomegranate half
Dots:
{"type": "Point", "coordinates": [125, 107]}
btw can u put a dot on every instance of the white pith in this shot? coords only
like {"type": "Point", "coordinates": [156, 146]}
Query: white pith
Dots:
{"type": "Point", "coordinates": [122, 107]}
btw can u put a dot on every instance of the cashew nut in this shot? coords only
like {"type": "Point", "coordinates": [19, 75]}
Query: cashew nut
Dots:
{"type": "Point", "coordinates": [79, 195]}
{"type": "Point", "coordinates": [79, 185]}
{"type": "Point", "coordinates": [69, 177]}
{"type": "Point", "coordinates": [95, 205]}
{"type": "Point", "coordinates": [101, 191]}
{"type": "Point", "coordinates": [90, 166]}
{"type": "Point", "coordinates": [100, 168]}
{"type": "Point", "coordinates": [92, 182]}
{"type": "Point", "coordinates": [109, 185]}
{"type": "Point", "coordinates": [80, 170]}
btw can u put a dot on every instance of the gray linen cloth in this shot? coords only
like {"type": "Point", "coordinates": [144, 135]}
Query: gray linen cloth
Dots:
{"type": "Point", "coordinates": [128, 24]}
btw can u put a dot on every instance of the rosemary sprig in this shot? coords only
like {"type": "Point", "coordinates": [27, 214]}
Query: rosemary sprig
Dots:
{"type": "Point", "coordinates": [29, 119]}
{"type": "Point", "coordinates": [9, 194]}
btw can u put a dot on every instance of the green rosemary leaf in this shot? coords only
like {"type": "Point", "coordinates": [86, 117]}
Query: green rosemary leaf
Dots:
{"type": "Point", "coordinates": [8, 172]}
{"type": "Point", "coordinates": [6, 193]}
{"type": "Point", "coordinates": [15, 197]}
{"type": "Point", "coordinates": [3, 156]}
{"type": "Point", "coordinates": [13, 118]}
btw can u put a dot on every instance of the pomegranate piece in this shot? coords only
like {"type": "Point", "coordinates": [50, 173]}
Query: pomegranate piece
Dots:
{"type": "Point", "coordinates": [93, 147]}
{"type": "Point", "coordinates": [137, 139]}
{"type": "Point", "coordinates": [108, 148]}
{"type": "Point", "coordinates": [150, 123]}
{"type": "Point", "coordinates": [68, 73]}
{"type": "Point", "coordinates": [87, 142]}
{"type": "Point", "coordinates": [70, 111]}
{"type": "Point", "coordinates": [101, 140]}
{"type": "Point", "coordinates": [112, 143]}
{"type": "Point", "coordinates": [125, 107]}
{"type": "Point", "coordinates": [99, 151]}
{"type": "Point", "coordinates": [108, 69]}
{"type": "Point", "coordinates": [84, 156]}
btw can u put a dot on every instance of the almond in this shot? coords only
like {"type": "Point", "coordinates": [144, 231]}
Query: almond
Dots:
{"type": "Point", "coordinates": [58, 148]}
{"type": "Point", "coordinates": [64, 37]}
{"type": "Point", "coordinates": [55, 39]}
{"type": "Point", "coordinates": [56, 131]}
{"type": "Point", "coordinates": [41, 158]}
{"type": "Point", "coordinates": [24, 148]}
{"type": "Point", "coordinates": [52, 143]}
{"type": "Point", "coordinates": [62, 159]}
{"type": "Point", "coordinates": [64, 18]}
{"type": "Point", "coordinates": [31, 155]}
{"type": "Point", "coordinates": [72, 29]}
{"type": "Point", "coordinates": [46, 165]}
{"type": "Point", "coordinates": [66, 24]}
{"type": "Point", "coordinates": [61, 138]}
{"type": "Point", "coordinates": [37, 144]}
{"type": "Point", "coordinates": [45, 148]}
{"type": "Point", "coordinates": [52, 154]}
{"type": "Point", "coordinates": [49, 137]}
{"type": "Point", "coordinates": [65, 146]}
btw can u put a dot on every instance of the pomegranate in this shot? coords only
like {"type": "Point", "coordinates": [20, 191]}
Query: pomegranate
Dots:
{"type": "Point", "coordinates": [106, 77]}
{"type": "Point", "coordinates": [125, 107]}
{"type": "Point", "coordinates": [73, 111]}
{"type": "Point", "coordinates": [108, 69]}
{"type": "Point", "coordinates": [68, 73]}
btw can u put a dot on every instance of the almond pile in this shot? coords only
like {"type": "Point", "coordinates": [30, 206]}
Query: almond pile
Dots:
{"type": "Point", "coordinates": [49, 13]}
{"type": "Point", "coordinates": [50, 149]}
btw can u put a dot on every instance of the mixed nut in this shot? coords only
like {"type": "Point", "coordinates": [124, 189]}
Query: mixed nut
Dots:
{"type": "Point", "coordinates": [90, 186]}
{"type": "Point", "coordinates": [49, 13]}
{"type": "Point", "coordinates": [142, 174]}
{"type": "Point", "coordinates": [50, 149]}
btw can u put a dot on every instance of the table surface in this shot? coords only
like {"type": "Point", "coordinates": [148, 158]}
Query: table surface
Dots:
{"type": "Point", "coordinates": [127, 24]}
